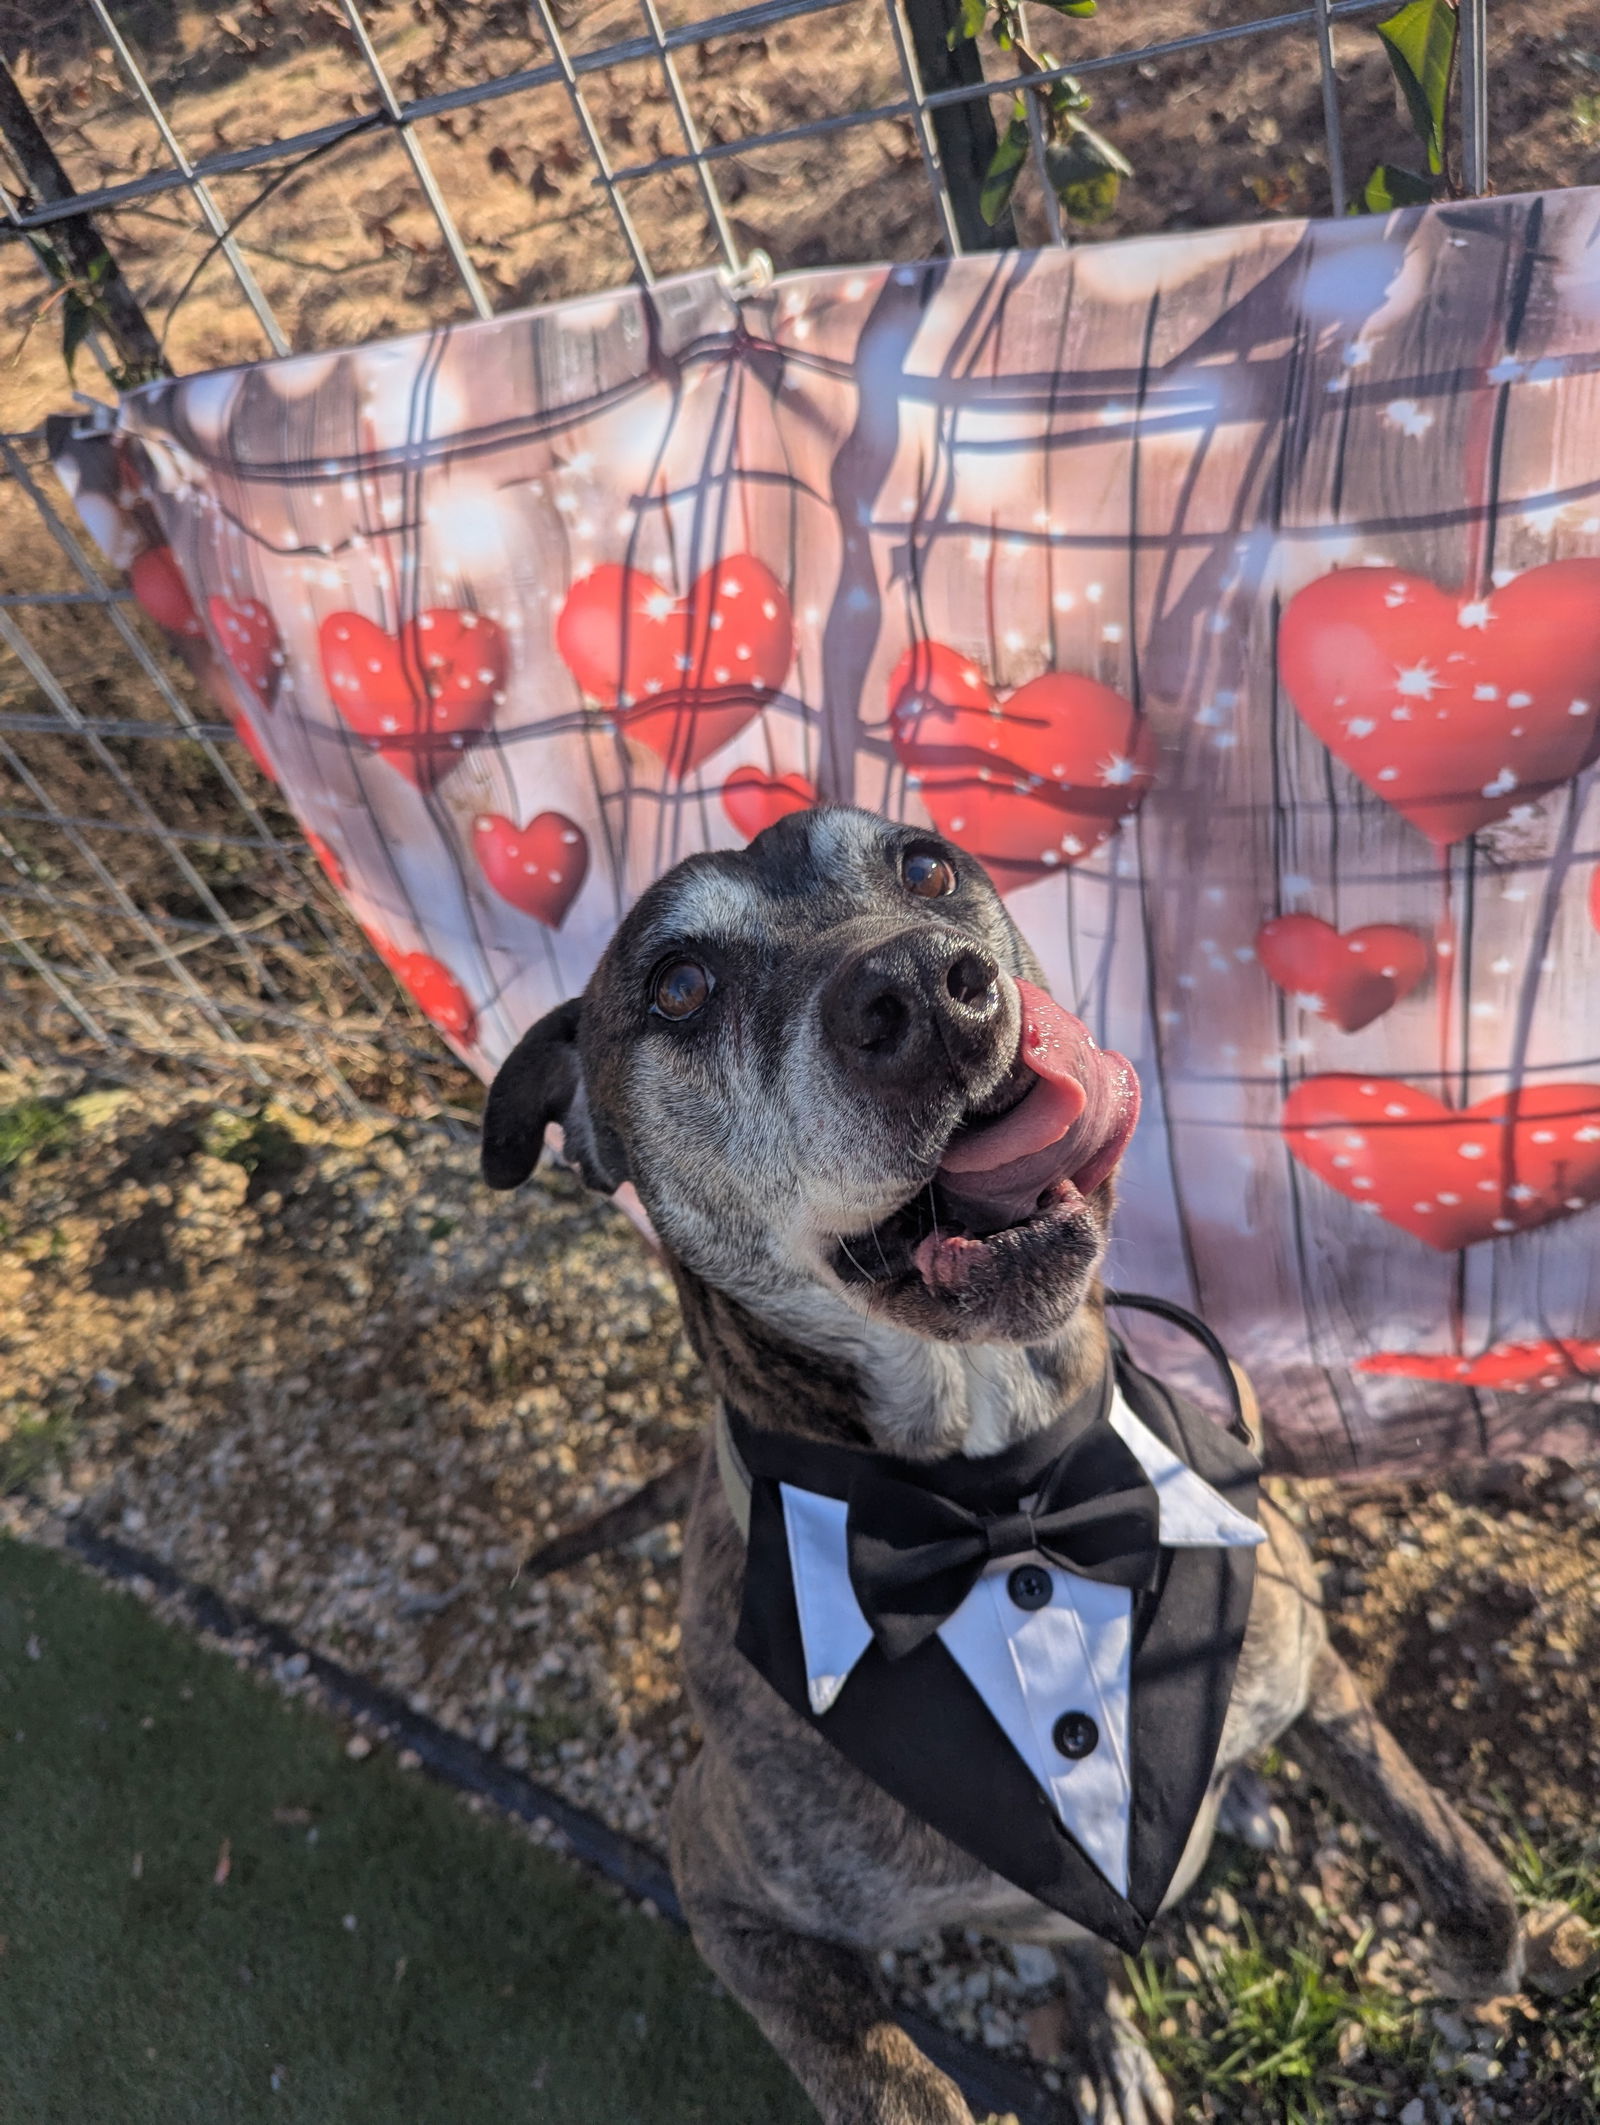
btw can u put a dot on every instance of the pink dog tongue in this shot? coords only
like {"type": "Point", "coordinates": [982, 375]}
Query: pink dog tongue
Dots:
{"type": "Point", "coordinates": [1072, 1125]}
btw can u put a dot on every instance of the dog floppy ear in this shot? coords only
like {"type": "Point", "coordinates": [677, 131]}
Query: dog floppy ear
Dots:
{"type": "Point", "coordinates": [541, 1081]}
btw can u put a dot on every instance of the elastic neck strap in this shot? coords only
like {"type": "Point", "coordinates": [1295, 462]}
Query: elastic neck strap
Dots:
{"type": "Point", "coordinates": [1246, 1424]}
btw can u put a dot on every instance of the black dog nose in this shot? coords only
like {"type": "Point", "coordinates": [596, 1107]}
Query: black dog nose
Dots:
{"type": "Point", "coordinates": [923, 1001]}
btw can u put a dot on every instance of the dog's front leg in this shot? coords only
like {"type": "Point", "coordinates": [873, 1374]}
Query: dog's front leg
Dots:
{"type": "Point", "coordinates": [1460, 1885]}
{"type": "Point", "coordinates": [1117, 2081]}
{"type": "Point", "coordinates": [816, 2005]}
{"type": "Point", "coordinates": [816, 2002]}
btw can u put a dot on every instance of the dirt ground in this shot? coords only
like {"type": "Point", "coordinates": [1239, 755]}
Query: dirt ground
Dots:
{"type": "Point", "coordinates": [317, 1366]}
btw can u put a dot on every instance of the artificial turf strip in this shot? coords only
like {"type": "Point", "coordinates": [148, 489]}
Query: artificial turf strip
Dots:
{"type": "Point", "coordinates": [481, 1978]}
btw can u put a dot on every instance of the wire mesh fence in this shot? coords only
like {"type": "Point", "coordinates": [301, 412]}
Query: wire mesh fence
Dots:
{"type": "Point", "coordinates": [209, 187]}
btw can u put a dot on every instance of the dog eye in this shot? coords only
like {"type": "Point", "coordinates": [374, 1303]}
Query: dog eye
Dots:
{"type": "Point", "coordinates": [680, 989]}
{"type": "Point", "coordinates": [928, 875]}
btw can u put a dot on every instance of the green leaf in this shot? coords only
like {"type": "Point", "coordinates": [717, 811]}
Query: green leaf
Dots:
{"type": "Point", "coordinates": [1086, 172]}
{"type": "Point", "coordinates": [1389, 187]}
{"type": "Point", "coordinates": [1065, 96]}
{"type": "Point", "coordinates": [1000, 179]}
{"type": "Point", "coordinates": [1072, 7]}
{"type": "Point", "coordinates": [77, 321]}
{"type": "Point", "coordinates": [1421, 43]}
{"type": "Point", "coordinates": [974, 13]}
{"type": "Point", "coordinates": [55, 262]}
{"type": "Point", "coordinates": [1091, 198]}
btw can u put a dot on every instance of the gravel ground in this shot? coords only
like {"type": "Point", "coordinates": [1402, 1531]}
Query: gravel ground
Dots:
{"type": "Point", "coordinates": [316, 1366]}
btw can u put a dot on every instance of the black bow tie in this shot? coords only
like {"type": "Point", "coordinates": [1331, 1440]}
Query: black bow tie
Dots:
{"type": "Point", "coordinates": [915, 1554]}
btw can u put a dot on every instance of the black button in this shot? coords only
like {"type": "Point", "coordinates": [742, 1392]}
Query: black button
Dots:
{"type": "Point", "coordinates": [1075, 1734]}
{"type": "Point", "coordinates": [1030, 1586]}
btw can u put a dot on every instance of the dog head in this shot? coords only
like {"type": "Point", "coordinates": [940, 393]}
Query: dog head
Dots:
{"type": "Point", "coordinates": [828, 1066]}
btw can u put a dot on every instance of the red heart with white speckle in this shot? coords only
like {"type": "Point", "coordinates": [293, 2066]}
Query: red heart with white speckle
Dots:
{"type": "Point", "coordinates": [432, 987]}
{"type": "Point", "coordinates": [248, 635]}
{"type": "Point", "coordinates": [1035, 782]}
{"type": "Point", "coordinates": [245, 731]}
{"type": "Point", "coordinates": [1517, 1366]}
{"type": "Point", "coordinates": [1348, 979]}
{"type": "Point", "coordinates": [156, 581]}
{"type": "Point", "coordinates": [539, 867]}
{"type": "Point", "coordinates": [328, 858]}
{"type": "Point", "coordinates": [682, 675]}
{"type": "Point", "coordinates": [1452, 1176]}
{"type": "Point", "coordinates": [419, 697]}
{"type": "Point", "coordinates": [754, 801]}
{"type": "Point", "coordinates": [1455, 710]}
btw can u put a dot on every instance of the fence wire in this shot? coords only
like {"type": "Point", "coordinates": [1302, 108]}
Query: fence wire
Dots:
{"type": "Point", "coordinates": [157, 906]}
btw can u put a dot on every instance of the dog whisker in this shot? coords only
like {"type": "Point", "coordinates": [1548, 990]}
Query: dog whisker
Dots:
{"type": "Point", "coordinates": [844, 1249]}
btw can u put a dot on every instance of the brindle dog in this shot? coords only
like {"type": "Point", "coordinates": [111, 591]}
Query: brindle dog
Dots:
{"type": "Point", "coordinates": [777, 1050]}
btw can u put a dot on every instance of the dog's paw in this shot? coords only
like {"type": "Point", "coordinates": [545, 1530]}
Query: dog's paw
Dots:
{"type": "Point", "coordinates": [1460, 1972]}
{"type": "Point", "coordinates": [1118, 2082]}
{"type": "Point", "coordinates": [1249, 1815]}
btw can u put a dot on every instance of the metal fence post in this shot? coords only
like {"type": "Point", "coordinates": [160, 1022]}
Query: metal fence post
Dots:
{"type": "Point", "coordinates": [964, 131]}
{"type": "Point", "coordinates": [116, 310]}
{"type": "Point", "coordinates": [1474, 19]}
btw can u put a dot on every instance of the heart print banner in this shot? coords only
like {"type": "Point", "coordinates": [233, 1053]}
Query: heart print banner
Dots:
{"type": "Point", "coordinates": [1236, 598]}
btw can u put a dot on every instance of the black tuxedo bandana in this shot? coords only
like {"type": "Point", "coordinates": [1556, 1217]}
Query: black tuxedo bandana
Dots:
{"type": "Point", "coordinates": [1065, 1521]}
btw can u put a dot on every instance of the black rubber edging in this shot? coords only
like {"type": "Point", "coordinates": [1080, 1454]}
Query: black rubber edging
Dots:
{"type": "Point", "coordinates": [989, 2084]}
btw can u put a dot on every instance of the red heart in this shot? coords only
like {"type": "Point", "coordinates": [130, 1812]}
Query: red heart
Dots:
{"type": "Point", "coordinates": [432, 987]}
{"type": "Point", "coordinates": [327, 857]}
{"type": "Point", "coordinates": [1039, 781]}
{"type": "Point", "coordinates": [539, 867]}
{"type": "Point", "coordinates": [1452, 1176]}
{"type": "Point", "coordinates": [156, 582]}
{"type": "Point", "coordinates": [245, 731]}
{"type": "Point", "coordinates": [1454, 709]}
{"type": "Point", "coordinates": [421, 697]}
{"type": "Point", "coordinates": [1517, 1366]}
{"type": "Point", "coordinates": [754, 801]}
{"type": "Point", "coordinates": [249, 638]}
{"type": "Point", "coordinates": [1348, 979]}
{"type": "Point", "coordinates": [683, 675]}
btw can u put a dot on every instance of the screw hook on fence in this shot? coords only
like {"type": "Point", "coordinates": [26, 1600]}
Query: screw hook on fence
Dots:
{"type": "Point", "coordinates": [751, 279]}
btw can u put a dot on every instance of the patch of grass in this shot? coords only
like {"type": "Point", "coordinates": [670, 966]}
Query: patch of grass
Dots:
{"type": "Point", "coordinates": [211, 1913]}
{"type": "Point", "coordinates": [1266, 2031]}
{"type": "Point", "coordinates": [257, 1141]}
{"type": "Point", "coordinates": [1556, 1870]}
{"type": "Point", "coordinates": [32, 1442]}
{"type": "Point", "coordinates": [29, 1126]}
